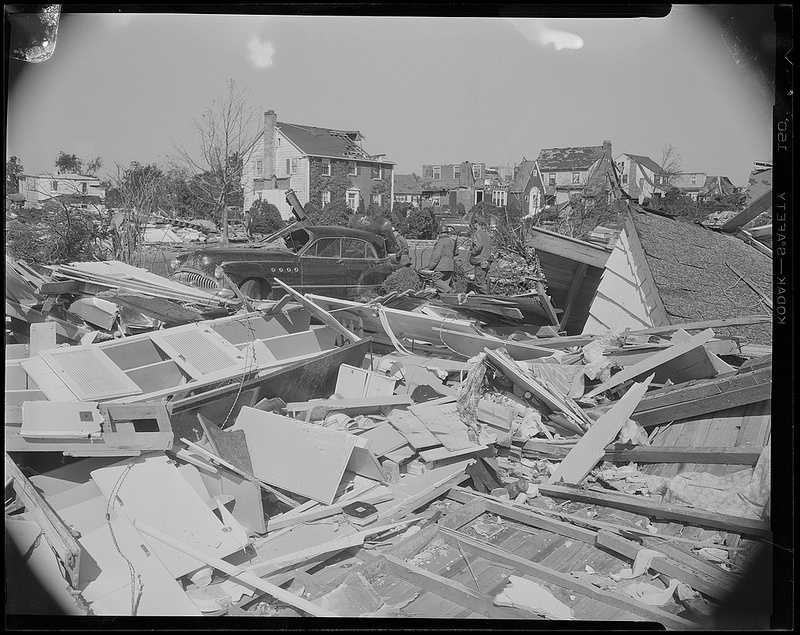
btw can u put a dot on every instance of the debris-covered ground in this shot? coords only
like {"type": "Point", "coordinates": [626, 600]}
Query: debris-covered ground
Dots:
{"type": "Point", "coordinates": [174, 452]}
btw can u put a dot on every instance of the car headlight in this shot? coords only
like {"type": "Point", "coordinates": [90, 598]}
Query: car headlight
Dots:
{"type": "Point", "coordinates": [174, 264]}
{"type": "Point", "coordinates": [205, 261]}
{"type": "Point", "coordinates": [218, 273]}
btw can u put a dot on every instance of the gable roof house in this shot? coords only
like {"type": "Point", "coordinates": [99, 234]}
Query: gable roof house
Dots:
{"type": "Point", "coordinates": [446, 185]}
{"type": "Point", "coordinates": [73, 189]}
{"type": "Point", "coordinates": [526, 187]}
{"type": "Point", "coordinates": [664, 271]}
{"type": "Point", "coordinates": [319, 164]}
{"type": "Point", "coordinates": [407, 189]}
{"type": "Point", "coordinates": [641, 177]}
{"type": "Point", "coordinates": [585, 171]}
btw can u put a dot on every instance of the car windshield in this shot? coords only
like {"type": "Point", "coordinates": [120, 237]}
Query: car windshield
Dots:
{"type": "Point", "coordinates": [292, 238]}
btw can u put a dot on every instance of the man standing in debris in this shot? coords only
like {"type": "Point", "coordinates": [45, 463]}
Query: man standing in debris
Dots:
{"type": "Point", "coordinates": [480, 255]}
{"type": "Point", "coordinates": [403, 253]}
{"type": "Point", "coordinates": [442, 261]}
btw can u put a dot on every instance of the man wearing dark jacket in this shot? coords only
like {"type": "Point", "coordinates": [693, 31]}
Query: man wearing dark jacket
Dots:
{"type": "Point", "coordinates": [443, 261]}
{"type": "Point", "coordinates": [480, 256]}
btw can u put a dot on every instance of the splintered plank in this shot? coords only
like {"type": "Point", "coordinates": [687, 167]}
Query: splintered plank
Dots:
{"type": "Point", "coordinates": [444, 422]}
{"type": "Point", "coordinates": [591, 446]}
{"type": "Point", "coordinates": [702, 455]}
{"type": "Point", "coordinates": [653, 362]}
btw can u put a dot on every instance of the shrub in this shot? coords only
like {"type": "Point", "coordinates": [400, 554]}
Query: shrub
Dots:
{"type": "Point", "coordinates": [403, 279]}
{"type": "Point", "coordinates": [334, 213]}
{"type": "Point", "coordinates": [422, 224]}
{"type": "Point", "coordinates": [266, 219]}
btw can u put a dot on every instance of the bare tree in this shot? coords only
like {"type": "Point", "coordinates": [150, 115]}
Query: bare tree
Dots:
{"type": "Point", "coordinates": [227, 133]}
{"type": "Point", "coordinates": [139, 188]}
{"type": "Point", "coordinates": [670, 162]}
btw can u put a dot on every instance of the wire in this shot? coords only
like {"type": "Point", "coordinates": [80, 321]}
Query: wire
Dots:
{"type": "Point", "coordinates": [136, 589]}
{"type": "Point", "coordinates": [247, 370]}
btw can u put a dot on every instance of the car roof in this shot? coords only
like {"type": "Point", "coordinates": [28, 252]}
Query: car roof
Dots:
{"type": "Point", "coordinates": [322, 231]}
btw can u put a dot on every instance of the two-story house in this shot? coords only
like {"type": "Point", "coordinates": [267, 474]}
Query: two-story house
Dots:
{"type": "Point", "coordinates": [575, 171]}
{"type": "Point", "coordinates": [689, 183]}
{"type": "Point", "coordinates": [641, 177]}
{"type": "Point", "coordinates": [77, 190]}
{"type": "Point", "coordinates": [407, 189]}
{"type": "Point", "coordinates": [321, 165]}
{"type": "Point", "coordinates": [526, 188]}
{"type": "Point", "coordinates": [447, 185]}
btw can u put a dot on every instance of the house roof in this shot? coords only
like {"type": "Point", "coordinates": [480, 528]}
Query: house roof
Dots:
{"type": "Point", "coordinates": [575, 158]}
{"type": "Point", "coordinates": [646, 162]}
{"type": "Point", "coordinates": [523, 175]}
{"type": "Point", "coordinates": [760, 182]}
{"type": "Point", "coordinates": [690, 268]}
{"type": "Point", "coordinates": [61, 177]}
{"type": "Point", "coordinates": [407, 184]}
{"type": "Point", "coordinates": [718, 184]}
{"type": "Point", "coordinates": [326, 142]}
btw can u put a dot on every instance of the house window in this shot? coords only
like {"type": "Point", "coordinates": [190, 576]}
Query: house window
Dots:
{"type": "Point", "coordinates": [478, 196]}
{"type": "Point", "coordinates": [456, 171]}
{"type": "Point", "coordinates": [326, 198]}
{"type": "Point", "coordinates": [377, 172]}
{"type": "Point", "coordinates": [694, 179]}
{"type": "Point", "coordinates": [353, 169]}
{"type": "Point", "coordinates": [293, 165]}
{"type": "Point", "coordinates": [576, 177]}
{"type": "Point", "coordinates": [437, 171]}
{"type": "Point", "coordinates": [552, 178]}
{"type": "Point", "coordinates": [83, 188]}
{"type": "Point", "coordinates": [352, 199]}
{"type": "Point", "coordinates": [476, 171]}
{"type": "Point", "coordinates": [259, 167]}
{"type": "Point", "coordinates": [326, 168]}
{"type": "Point", "coordinates": [54, 186]}
{"type": "Point", "coordinates": [499, 198]}
{"type": "Point", "coordinates": [288, 166]}
{"type": "Point", "coordinates": [428, 172]}
{"type": "Point", "coordinates": [376, 199]}
{"type": "Point", "coordinates": [624, 179]}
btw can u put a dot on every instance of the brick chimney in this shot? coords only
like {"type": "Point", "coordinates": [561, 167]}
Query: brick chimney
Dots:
{"type": "Point", "coordinates": [607, 148]}
{"type": "Point", "coordinates": [270, 118]}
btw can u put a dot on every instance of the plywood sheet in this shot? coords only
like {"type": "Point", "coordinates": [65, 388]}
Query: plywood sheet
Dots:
{"type": "Point", "coordinates": [60, 419]}
{"type": "Point", "coordinates": [444, 422]}
{"type": "Point", "coordinates": [200, 352]}
{"type": "Point", "coordinates": [153, 492]}
{"type": "Point", "coordinates": [383, 439]}
{"type": "Point", "coordinates": [305, 459]}
{"type": "Point", "coordinates": [415, 432]}
{"type": "Point", "coordinates": [47, 381]}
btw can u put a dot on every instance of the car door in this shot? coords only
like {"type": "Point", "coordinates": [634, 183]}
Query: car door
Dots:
{"type": "Point", "coordinates": [321, 267]}
{"type": "Point", "coordinates": [360, 260]}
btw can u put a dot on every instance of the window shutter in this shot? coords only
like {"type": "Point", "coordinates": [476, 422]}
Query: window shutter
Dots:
{"type": "Point", "coordinates": [90, 373]}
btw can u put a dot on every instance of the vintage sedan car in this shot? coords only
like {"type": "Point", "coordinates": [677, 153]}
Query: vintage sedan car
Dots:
{"type": "Point", "coordinates": [340, 262]}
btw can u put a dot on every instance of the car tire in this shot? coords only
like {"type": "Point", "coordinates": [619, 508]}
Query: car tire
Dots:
{"type": "Point", "coordinates": [255, 289]}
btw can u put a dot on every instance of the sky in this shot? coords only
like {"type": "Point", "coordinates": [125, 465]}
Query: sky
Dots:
{"type": "Point", "coordinates": [127, 87]}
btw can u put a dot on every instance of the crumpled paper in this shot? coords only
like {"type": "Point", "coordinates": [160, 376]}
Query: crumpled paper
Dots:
{"type": "Point", "coordinates": [528, 595]}
{"type": "Point", "coordinates": [595, 361]}
{"type": "Point", "coordinates": [644, 558]}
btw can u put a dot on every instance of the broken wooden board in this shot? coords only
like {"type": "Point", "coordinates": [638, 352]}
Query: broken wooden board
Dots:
{"type": "Point", "coordinates": [152, 491]}
{"type": "Point", "coordinates": [660, 511]}
{"type": "Point", "coordinates": [746, 320]}
{"type": "Point", "coordinates": [305, 459]}
{"type": "Point", "coordinates": [675, 403]}
{"type": "Point", "coordinates": [319, 312]}
{"type": "Point", "coordinates": [415, 432]}
{"type": "Point", "coordinates": [591, 446]}
{"type": "Point", "coordinates": [495, 414]}
{"type": "Point", "coordinates": [349, 406]}
{"type": "Point", "coordinates": [55, 531]}
{"type": "Point", "coordinates": [671, 454]}
{"type": "Point", "coordinates": [383, 439]}
{"type": "Point", "coordinates": [47, 381]}
{"type": "Point", "coordinates": [436, 457]}
{"type": "Point", "coordinates": [414, 492]}
{"type": "Point", "coordinates": [444, 422]}
{"type": "Point", "coordinates": [471, 344]}
{"type": "Point", "coordinates": [248, 507]}
{"type": "Point", "coordinates": [653, 362]}
{"type": "Point", "coordinates": [89, 373]}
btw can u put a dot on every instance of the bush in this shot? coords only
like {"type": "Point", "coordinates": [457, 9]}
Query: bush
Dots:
{"type": "Point", "coordinates": [485, 210]}
{"type": "Point", "coordinates": [421, 224]}
{"type": "Point", "coordinates": [266, 219]}
{"type": "Point", "coordinates": [335, 213]}
{"type": "Point", "coordinates": [403, 279]}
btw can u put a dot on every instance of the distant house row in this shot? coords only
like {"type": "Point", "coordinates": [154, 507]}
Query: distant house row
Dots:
{"type": "Point", "coordinates": [77, 190]}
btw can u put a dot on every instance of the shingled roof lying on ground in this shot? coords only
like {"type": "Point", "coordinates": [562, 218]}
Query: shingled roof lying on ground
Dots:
{"type": "Point", "coordinates": [690, 268]}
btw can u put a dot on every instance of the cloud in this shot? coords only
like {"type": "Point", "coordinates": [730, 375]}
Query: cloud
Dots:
{"type": "Point", "coordinates": [537, 32]}
{"type": "Point", "coordinates": [260, 52]}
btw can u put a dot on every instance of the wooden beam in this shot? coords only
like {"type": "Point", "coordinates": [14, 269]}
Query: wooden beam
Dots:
{"type": "Point", "coordinates": [319, 312]}
{"type": "Point", "coordinates": [652, 362]}
{"type": "Point", "coordinates": [551, 576]}
{"type": "Point", "coordinates": [745, 320]}
{"type": "Point", "coordinates": [756, 207]}
{"type": "Point", "coordinates": [661, 511]}
{"type": "Point", "coordinates": [65, 329]}
{"type": "Point", "coordinates": [472, 343]}
{"type": "Point", "coordinates": [548, 307]}
{"type": "Point", "coordinates": [291, 519]}
{"type": "Point", "coordinates": [707, 455]}
{"type": "Point", "coordinates": [753, 242]}
{"type": "Point", "coordinates": [56, 533]}
{"type": "Point", "coordinates": [248, 579]}
{"type": "Point", "coordinates": [567, 247]}
{"type": "Point", "coordinates": [366, 405]}
{"type": "Point", "coordinates": [628, 549]}
{"type": "Point", "coordinates": [574, 287]}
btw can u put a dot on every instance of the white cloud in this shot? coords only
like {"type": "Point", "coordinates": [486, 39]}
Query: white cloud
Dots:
{"type": "Point", "coordinates": [260, 52]}
{"type": "Point", "coordinates": [538, 32]}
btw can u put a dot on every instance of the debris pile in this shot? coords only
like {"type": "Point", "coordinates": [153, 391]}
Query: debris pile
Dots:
{"type": "Point", "coordinates": [331, 458]}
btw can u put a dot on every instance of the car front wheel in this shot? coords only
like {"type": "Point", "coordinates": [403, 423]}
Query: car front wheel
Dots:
{"type": "Point", "coordinates": [255, 289]}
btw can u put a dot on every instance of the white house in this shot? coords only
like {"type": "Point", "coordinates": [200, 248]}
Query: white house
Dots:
{"type": "Point", "coordinates": [80, 190]}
